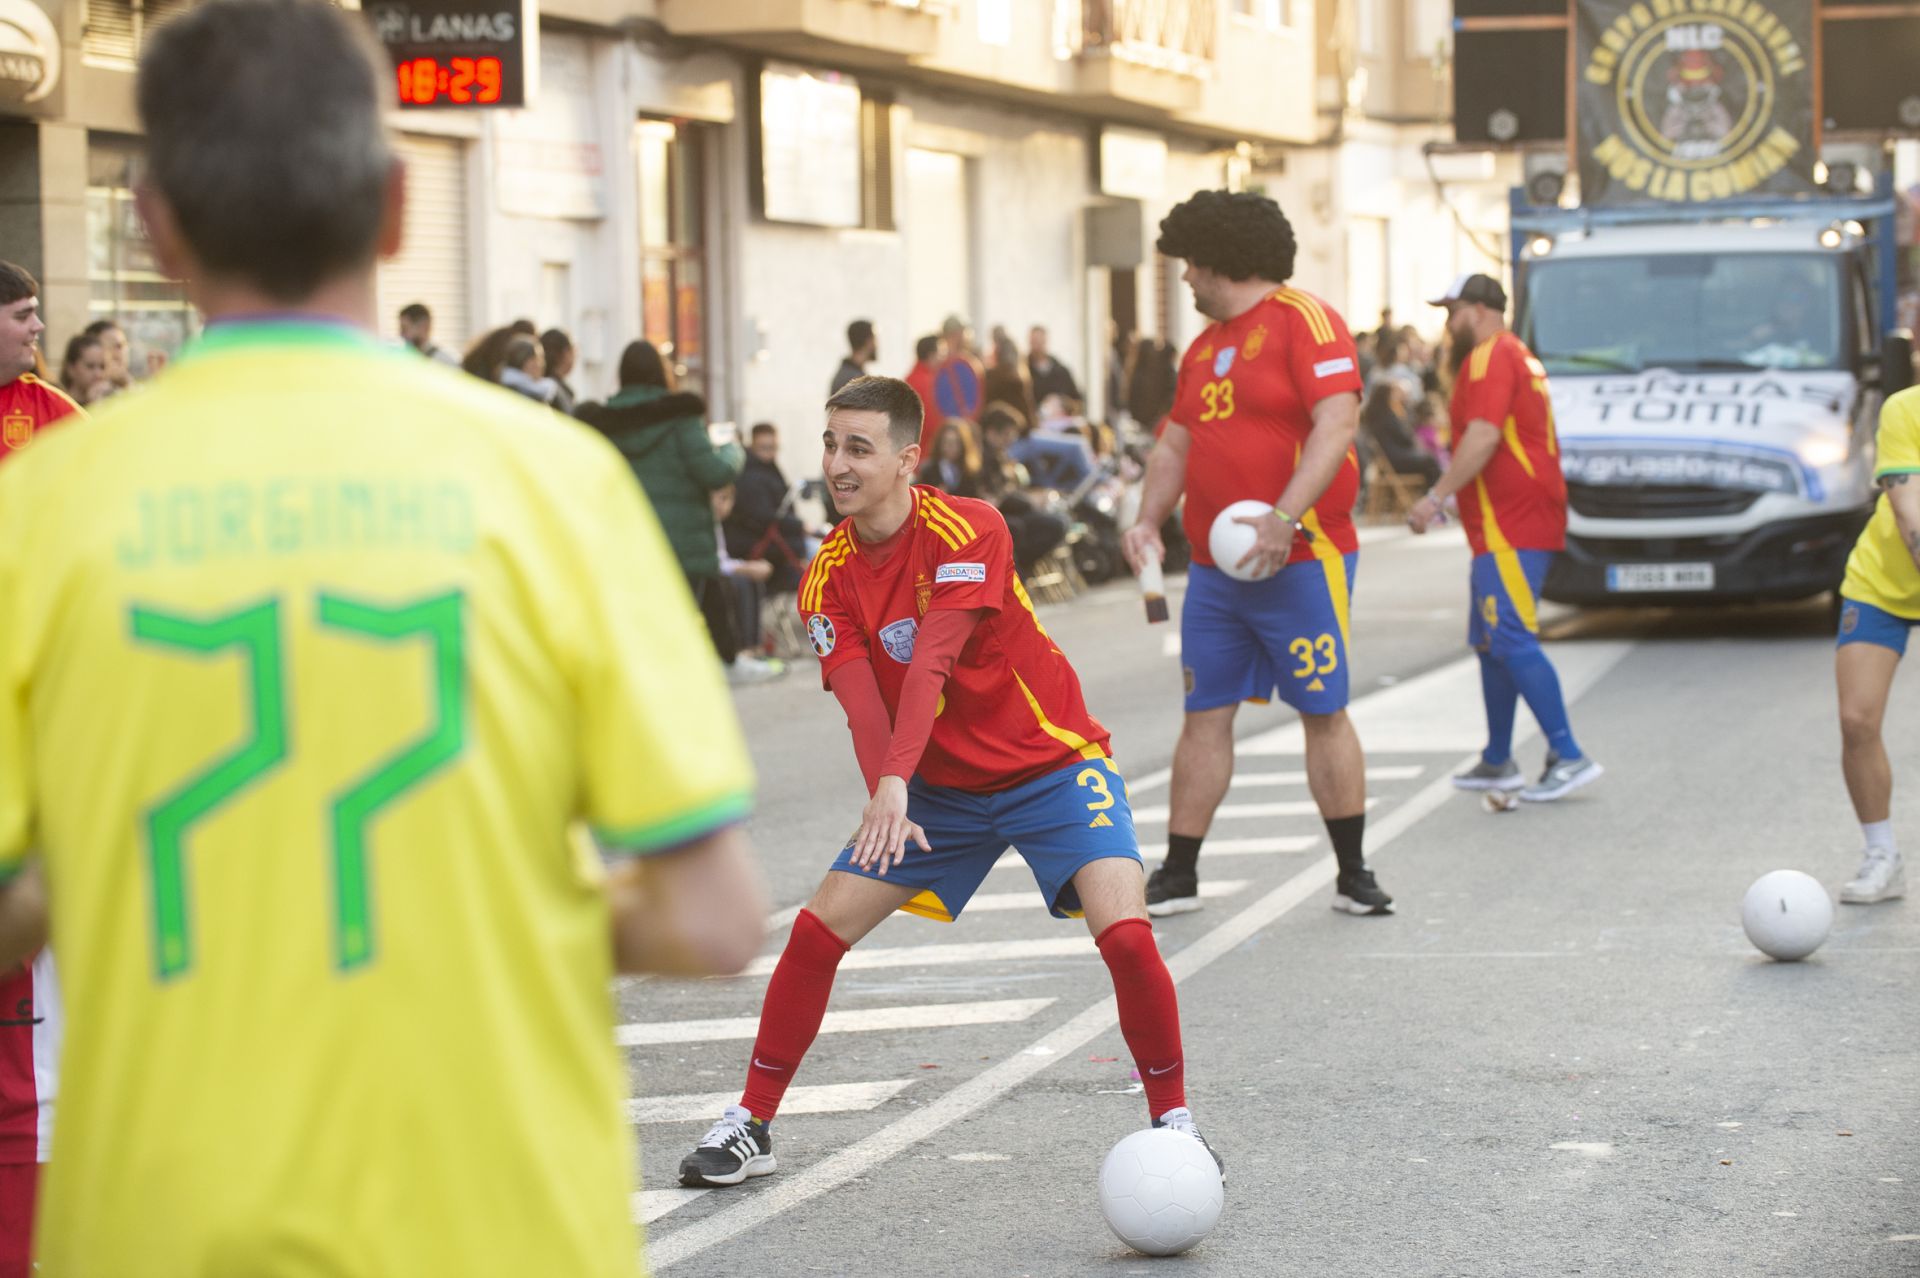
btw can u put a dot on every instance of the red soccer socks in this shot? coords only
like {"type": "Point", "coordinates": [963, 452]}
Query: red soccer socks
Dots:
{"type": "Point", "coordinates": [1149, 1012]}
{"type": "Point", "coordinates": [796, 1003]}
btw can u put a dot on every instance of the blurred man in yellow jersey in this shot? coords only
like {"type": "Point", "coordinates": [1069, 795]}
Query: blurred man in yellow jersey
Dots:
{"type": "Point", "coordinates": [313, 656]}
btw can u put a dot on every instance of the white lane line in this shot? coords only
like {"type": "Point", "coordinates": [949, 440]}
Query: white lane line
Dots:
{"type": "Point", "coordinates": [1386, 772]}
{"type": "Point", "coordinates": [865, 1020]}
{"type": "Point", "coordinates": [650, 1205]}
{"type": "Point", "coordinates": [1441, 711]}
{"type": "Point", "coordinates": [1239, 811]}
{"type": "Point", "coordinates": [997, 1080]}
{"type": "Point", "coordinates": [866, 958]}
{"type": "Point", "coordinates": [1242, 847]}
{"type": "Point", "coordinates": [1031, 899]}
{"type": "Point", "coordinates": [824, 1098]}
{"type": "Point", "coordinates": [1478, 954]}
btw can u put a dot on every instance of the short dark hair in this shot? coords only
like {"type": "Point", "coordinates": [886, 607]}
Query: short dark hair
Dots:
{"type": "Point", "coordinates": [265, 138]}
{"type": "Point", "coordinates": [416, 313]}
{"type": "Point", "coordinates": [641, 365]}
{"type": "Point", "coordinates": [520, 350]}
{"type": "Point", "coordinates": [859, 333]}
{"type": "Point", "coordinates": [16, 285]}
{"type": "Point", "coordinates": [1001, 413]}
{"type": "Point", "coordinates": [763, 428]}
{"type": "Point", "coordinates": [101, 327]}
{"type": "Point", "coordinates": [927, 347]}
{"type": "Point", "coordinates": [889, 395]}
{"type": "Point", "coordinates": [1233, 233]}
{"type": "Point", "coordinates": [525, 327]}
{"type": "Point", "coordinates": [555, 343]}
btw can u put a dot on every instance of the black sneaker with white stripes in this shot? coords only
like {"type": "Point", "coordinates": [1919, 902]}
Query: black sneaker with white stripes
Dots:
{"type": "Point", "coordinates": [1357, 892]}
{"type": "Point", "coordinates": [735, 1148]}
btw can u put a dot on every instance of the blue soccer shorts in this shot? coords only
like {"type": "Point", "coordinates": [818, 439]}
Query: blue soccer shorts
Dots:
{"type": "Point", "coordinates": [1864, 623]}
{"type": "Point", "coordinates": [1057, 822]}
{"type": "Point", "coordinates": [1504, 620]}
{"type": "Point", "coordinates": [1243, 640]}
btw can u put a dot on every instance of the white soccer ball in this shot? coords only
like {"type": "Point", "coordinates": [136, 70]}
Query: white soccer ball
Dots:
{"type": "Point", "coordinates": [1228, 541]}
{"type": "Point", "coordinates": [1787, 914]}
{"type": "Point", "coordinates": [1160, 1191]}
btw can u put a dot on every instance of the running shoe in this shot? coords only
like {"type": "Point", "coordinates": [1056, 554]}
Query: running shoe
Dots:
{"type": "Point", "coordinates": [1881, 877]}
{"type": "Point", "coordinates": [1171, 891]}
{"type": "Point", "coordinates": [1359, 893]}
{"type": "Point", "coordinates": [1181, 1120]}
{"type": "Point", "coordinates": [736, 1147]}
{"type": "Point", "coordinates": [1562, 777]}
{"type": "Point", "coordinates": [1491, 776]}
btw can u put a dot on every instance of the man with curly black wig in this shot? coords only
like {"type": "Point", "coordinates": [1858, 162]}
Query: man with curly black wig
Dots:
{"type": "Point", "coordinates": [1267, 409]}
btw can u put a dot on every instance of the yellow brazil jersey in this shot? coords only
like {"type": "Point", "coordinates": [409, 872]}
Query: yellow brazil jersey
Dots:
{"type": "Point", "coordinates": [314, 655]}
{"type": "Point", "coordinates": [1880, 571]}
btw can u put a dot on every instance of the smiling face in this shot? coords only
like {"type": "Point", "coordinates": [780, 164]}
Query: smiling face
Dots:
{"type": "Point", "coordinates": [20, 330]}
{"type": "Point", "coordinates": [863, 468]}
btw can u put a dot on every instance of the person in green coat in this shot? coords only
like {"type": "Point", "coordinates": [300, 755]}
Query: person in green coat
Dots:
{"type": "Point", "coordinates": [663, 435]}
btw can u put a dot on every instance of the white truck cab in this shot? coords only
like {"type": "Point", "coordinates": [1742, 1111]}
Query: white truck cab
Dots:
{"type": "Point", "coordinates": [1716, 386]}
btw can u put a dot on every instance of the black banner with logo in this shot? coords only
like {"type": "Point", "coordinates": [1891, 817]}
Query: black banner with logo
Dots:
{"type": "Point", "coordinates": [1688, 101]}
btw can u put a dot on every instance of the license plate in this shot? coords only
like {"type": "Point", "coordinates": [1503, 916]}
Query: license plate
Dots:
{"type": "Point", "coordinates": [1633, 577]}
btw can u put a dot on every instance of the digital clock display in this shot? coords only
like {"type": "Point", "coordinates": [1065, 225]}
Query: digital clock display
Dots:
{"type": "Point", "coordinates": [454, 54]}
{"type": "Point", "coordinates": [459, 81]}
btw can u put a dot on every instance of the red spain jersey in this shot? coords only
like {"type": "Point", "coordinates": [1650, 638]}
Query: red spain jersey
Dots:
{"type": "Point", "coordinates": [28, 406]}
{"type": "Point", "coordinates": [1246, 394]}
{"type": "Point", "coordinates": [1012, 709]}
{"type": "Point", "coordinates": [1519, 500]}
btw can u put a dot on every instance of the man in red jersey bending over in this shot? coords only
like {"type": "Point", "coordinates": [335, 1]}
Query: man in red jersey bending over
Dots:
{"type": "Point", "coordinates": [972, 733]}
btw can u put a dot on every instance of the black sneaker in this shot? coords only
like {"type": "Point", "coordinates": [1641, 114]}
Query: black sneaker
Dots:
{"type": "Point", "coordinates": [1171, 891]}
{"type": "Point", "coordinates": [736, 1147]}
{"type": "Point", "coordinates": [1181, 1120]}
{"type": "Point", "coordinates": [1358, 893]}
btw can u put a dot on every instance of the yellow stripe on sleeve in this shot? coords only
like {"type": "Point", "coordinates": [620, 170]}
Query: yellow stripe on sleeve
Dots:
{"type": "Point", "coordinates": [831, 556]}
{"type": "Point", "coordinates": [1318, 325]}
{"type": "Point", "coordinates": [1481, 359]}
{"type": "Point", "coordinates": [939, 530]}
{"type": "Point", "coordinates": [953, 517]}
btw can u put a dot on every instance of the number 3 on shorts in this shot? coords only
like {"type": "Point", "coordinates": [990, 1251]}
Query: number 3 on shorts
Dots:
{"type": "Point", "coordinates": [1319, 656]}
{"type": "Point", "coordinates": [1104, 796]}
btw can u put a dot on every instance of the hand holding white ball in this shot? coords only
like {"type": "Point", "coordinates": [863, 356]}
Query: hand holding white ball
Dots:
{"type": "Point", "coordinates": [1229, 540]}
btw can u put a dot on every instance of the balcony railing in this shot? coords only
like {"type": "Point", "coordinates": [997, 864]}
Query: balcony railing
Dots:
{"type": "Point", "coordinates": [1168, 35]}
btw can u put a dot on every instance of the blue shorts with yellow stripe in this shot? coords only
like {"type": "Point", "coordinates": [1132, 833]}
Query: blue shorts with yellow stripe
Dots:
{"type": "Point", "coordinates": [1242, 640]}
{"type": "Point", "coordinates": [1057, 823]}
{"type": "Point", "coordinates": [1505, 617]}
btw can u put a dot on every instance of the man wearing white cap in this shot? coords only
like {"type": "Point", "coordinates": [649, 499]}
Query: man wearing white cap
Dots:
{"type": "Point", "coordinates": [1513, 504]}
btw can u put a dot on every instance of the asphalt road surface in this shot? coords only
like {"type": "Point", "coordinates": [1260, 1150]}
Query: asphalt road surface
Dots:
{"type": "Point", "coordinates": [1560, 1056]}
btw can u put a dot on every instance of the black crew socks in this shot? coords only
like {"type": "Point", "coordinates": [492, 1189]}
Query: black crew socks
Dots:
{"type": "Point", "coordinates": [1347, 834]}
{"type": "Point", "coordinates": [1182, 851]}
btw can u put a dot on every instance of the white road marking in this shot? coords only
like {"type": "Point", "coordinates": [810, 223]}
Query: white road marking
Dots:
{"type": "Point", "coordinates": [1441, 711]}
{"type": "Point", "coordinates": [997, 1080]}
{"type": "Point", "coordinates": [1157, 813]}
{"type": "Point", "coordinates": [650, 1205]}
{"type": "Point", "coordinates": [1242, 847]}
{"type": "Point", "coordinates": [1386, 772]}
{"type": "Point", "coordinates": [864, 1020]}
{"type": "Point", "coordinates": [867, 958]}
{"type": "Point", "coordinates": [1479, 954]}
{"type": "Point", "coordinates": [825, 1098]}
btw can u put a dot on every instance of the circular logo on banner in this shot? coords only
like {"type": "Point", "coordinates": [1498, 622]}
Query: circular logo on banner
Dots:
{"type": "Point", "coordinates": [1697, 92]}
{"type": "Point", "coordinates": [29, 52]}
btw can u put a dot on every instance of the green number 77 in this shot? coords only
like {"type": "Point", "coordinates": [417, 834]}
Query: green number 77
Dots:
{"type": "Point", "coordinates": [255, 632]}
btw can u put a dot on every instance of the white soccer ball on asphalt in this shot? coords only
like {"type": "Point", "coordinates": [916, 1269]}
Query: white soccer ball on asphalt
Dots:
{"type": "Point", "coordinates": [1228, 541]}
{"type": "Point", "coordinates": [1787, 914]}
{"type": "Point", "coordinates": [1160, 1191]}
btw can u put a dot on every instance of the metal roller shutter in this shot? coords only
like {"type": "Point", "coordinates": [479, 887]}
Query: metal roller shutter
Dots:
{"type": "Point", "coordinates": [432, 266]}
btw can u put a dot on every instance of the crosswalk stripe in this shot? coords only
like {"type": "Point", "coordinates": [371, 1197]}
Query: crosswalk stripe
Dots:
{"type": "Point", "coordinates": [824, 1098]}
{"type": "Point", "coordinates": [650, 1205]}
{"type": "Point", "coordinates": [1387, 772]}
{"type": "Point", "coordinates": [1231, 811]}
{"type": "Point", "coordinates": [1031, 899]}
{"type": "Point", "coordinates": [864, 1020]}
{"type": "Point", "coordinates": [1242, 847]}
{"type": "Point", "coordinates": [864, 958]}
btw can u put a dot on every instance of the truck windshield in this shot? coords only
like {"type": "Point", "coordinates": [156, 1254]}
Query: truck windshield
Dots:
{"type": "Point", "coordinates": [1685, 311]}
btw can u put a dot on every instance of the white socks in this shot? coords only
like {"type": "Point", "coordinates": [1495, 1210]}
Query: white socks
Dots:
{"type": "Point", "coordinates": [1879, 834]}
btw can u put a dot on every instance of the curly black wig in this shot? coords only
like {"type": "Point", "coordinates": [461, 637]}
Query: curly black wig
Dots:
{"type": "Point", "coordinates": [1234, 233]}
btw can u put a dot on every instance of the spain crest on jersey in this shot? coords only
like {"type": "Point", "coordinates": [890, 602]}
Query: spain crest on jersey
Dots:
{"type": "Point", "coordinates": [17, 430]}
{"type": "Point", "coordinates": [897, 638]}
{"type": "Point", "coordinates": [1255, 342]}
